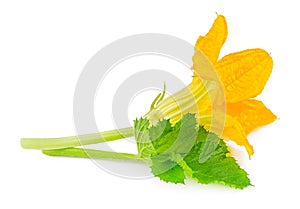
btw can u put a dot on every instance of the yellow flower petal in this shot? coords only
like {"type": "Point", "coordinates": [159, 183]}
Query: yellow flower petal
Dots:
{"type": "Point", "coordinates": [234, 131]}
{"type": "Point", "coordinates": [251, 114]}
{"type": "Point", "coordinates": [212, 43]}
{"type": "Point", "coordinates": [244, 74]}
{"type": "Point", "coordinates": [207, 49]}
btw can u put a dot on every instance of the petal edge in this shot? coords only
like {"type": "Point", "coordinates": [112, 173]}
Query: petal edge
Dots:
{"type": "Point", "coordinates": [251, 114]}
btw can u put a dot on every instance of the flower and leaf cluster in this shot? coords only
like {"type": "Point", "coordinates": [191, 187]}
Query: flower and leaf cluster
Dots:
{"type": "Point", "coordinates": [183, 135]}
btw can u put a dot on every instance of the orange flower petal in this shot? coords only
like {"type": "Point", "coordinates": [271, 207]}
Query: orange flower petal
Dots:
{"type": "Point", "coordinates": [234, 131]}
{"type": "Point", "coordinates": [251, 114]}
{"type": "Point", "coordinates": [244, 74]}
{"type": "Point", "coordinates": [212, 43]}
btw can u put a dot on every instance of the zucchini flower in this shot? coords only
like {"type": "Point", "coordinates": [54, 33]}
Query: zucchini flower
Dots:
{"type": "Point", "coordinates": [222, 91]}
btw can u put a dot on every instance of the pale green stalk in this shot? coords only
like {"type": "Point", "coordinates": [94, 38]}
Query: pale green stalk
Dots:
{"type": "Point", "coordinates": [74, 141]}
{"type": "Point", "coordinates": [95, 154]}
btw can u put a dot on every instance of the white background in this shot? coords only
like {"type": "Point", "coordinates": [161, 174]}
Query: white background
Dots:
{"type": "Point", "coordinates": [43, 49]}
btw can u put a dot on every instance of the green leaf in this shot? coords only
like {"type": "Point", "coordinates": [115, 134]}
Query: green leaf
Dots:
{"type": "Point", "coordinates": [218, 168]}
{"type": "Point", "coordinates": [185, 149]}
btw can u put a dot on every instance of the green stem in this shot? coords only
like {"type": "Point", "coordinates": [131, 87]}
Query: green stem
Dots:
{"type": "Point", "coordinates": [90, 153]}
{"type": "Point", "coordinates": [73, 141]}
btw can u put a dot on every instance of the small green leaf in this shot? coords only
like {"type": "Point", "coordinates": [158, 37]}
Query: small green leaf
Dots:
{"type": "Point", "coordinates": [141, 132]}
